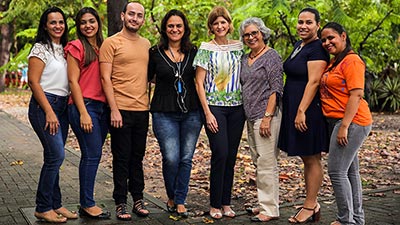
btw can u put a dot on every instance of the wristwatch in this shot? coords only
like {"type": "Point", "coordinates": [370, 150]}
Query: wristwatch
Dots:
{"type": "Point", "coordinates": [267, 114]}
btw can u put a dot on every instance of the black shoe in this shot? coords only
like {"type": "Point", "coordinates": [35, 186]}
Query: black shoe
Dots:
{"type": "Point", "coordinates": [171, 209]}
{"type": "Point", "coordinates": [102, 216]}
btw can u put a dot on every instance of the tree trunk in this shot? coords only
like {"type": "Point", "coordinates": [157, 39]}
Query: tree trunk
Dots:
{"type": "Point", "coordinates": [6, 40]}
{"type": "Point", "coordinates": [114, 9]}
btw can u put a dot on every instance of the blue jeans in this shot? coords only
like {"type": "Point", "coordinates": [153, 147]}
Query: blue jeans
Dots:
{"type": "Point", "coordinates": [91, 145]}
{"type": "Point", "coordinates": [343, 169]}
{"type": "Point", "coordinates": [177, 135]}
{"type": "Point", "coordinates": [48, 195]}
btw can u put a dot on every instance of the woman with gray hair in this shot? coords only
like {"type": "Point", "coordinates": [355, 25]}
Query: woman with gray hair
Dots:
{"type": "Point", "coordinates": [262, 85]}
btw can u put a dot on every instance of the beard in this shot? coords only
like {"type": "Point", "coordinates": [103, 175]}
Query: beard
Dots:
{"type": "Point", "coordinates": [130, 28]}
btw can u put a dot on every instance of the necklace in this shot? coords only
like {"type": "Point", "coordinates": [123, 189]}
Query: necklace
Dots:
{"type": "Point", "coordinates": [296, 51]}
{"type": "Point", "coordinates": [258, 53]}
{"type": "Point", "coordinates": [223, 48]}
{"type": "Point", "coordinates": [179, 83]}
{"type": "Point", "coordinates": [173, 56]}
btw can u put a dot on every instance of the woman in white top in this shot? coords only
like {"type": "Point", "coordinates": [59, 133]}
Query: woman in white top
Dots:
{"type": "Point", "coordinates": [219, 90]}
{"type": "Point", "coordinates": [47, 78]}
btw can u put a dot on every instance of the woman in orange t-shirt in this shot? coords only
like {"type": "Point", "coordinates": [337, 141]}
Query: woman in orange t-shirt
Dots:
{"type": "Point", "coordinates": [349, 118]}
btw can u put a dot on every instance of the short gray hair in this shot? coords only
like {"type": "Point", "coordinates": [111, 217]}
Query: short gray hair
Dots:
{"type": "Point", "coordinates": [265, 31]}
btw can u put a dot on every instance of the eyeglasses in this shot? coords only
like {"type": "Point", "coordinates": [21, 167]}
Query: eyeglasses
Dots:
{"type": "Point", "coordinates": [252, 34]}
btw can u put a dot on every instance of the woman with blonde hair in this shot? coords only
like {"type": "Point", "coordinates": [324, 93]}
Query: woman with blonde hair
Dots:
{"type": "Point", "coordinates": [219, 90]}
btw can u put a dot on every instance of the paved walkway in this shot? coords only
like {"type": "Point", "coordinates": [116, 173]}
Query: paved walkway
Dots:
{"type": "Point", "coordinates": [21, 160]}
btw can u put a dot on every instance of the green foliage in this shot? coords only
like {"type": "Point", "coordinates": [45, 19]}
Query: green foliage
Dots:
{"type": "Point", "coordinates": [376, 87]}
{"type": "Point", "coordinates": [195, 11]}
{"type": "Point", "coordinates": [390, 93]}
{"type": "Point", "coordinates": [373, 26]}
{"type": "Point", "coordinates": [385, 94]}
{"type": "Point", "coordinates": [20, 58]}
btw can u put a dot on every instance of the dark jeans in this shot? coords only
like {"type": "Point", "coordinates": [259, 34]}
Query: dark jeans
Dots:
{"type": "Point", "coordinates": [224, 146]}
{"type": "Point", "coordinates": [177, 135]}
{"type": "Point", "coordinates": [48, 195]}
{"type": "Point", "coordinates": [128, 145]}
{"type": "Point", "coordinates": [91, 145]}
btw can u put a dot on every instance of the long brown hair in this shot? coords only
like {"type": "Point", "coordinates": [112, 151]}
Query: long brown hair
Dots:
{"type": "Point", "coordinates": [90, 53]}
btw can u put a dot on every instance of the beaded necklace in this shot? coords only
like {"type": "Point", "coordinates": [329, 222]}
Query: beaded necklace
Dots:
{"type": "Point", "coordinates": [258, 53]}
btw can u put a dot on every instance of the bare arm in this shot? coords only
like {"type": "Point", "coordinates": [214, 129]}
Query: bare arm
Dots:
{"type": "Point", "coordinates": [349, 113]}
{"type": "Point", "coordinates": [212, 124]}
{"type": "Point", "coordinates": [105, 70]}
{"type": "Point", "coordinates": [76, 92]}
{"type": "Point", "coordinates": [315, 70]}
{"type": "Point", "coordinates": [36, 67]}
{"type": "Point", "coordinates": [265, 126]}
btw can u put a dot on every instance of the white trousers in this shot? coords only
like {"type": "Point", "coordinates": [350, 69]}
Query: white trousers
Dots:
{"type": "Point", "coordinates": [264, 152]}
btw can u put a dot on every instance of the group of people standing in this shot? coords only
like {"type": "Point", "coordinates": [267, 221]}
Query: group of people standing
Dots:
{"type": "Point", "coordinates": [100, 86]}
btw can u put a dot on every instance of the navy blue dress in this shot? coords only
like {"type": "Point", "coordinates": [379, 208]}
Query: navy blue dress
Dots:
{"type": "Point", "coordinates": [315, 139]}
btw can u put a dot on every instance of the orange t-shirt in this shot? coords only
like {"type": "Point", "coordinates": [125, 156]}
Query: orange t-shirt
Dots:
{"type": "Point", "coordinates": [129, 58]}
{"type": "Point", "coordinates": [336, 84]}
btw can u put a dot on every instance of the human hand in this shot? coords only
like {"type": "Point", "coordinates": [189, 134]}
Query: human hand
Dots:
{"type": "Point", "coordinates": [86, 123]}
{"type": "Point", "coordinates": [341, 137]}
{"type": "Point", "coordinates": [265, 127]}
{"type": "Point", "coordinates": [116, 119]}
{"type": "Point", "coordinates": [51, 123]}
{"type": "Point", "coordinates": [212, 123]}
{"type": "Point", "coordinates": [300, 122]}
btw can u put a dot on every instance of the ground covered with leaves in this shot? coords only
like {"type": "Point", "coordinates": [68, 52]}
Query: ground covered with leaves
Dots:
{"type": "Point", "coordinates": [379, 162]}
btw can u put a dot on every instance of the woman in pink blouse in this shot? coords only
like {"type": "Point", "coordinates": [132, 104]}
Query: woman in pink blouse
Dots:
{"type": "Point", "coordinates": [87, 109]}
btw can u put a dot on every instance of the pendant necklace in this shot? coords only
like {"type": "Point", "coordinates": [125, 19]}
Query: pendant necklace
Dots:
{"type": "Point", "coordinates": [258, 53]}
{"type": "Point", "coordinates": [179, 84]}
{"type": "Point", "coordinates": [178, 71]}
{"type": "Point", "coordinates": [296, 51]}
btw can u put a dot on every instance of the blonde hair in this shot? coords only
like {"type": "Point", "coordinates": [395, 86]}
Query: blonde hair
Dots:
{"type": "Point", "coordinates": [216, 12]}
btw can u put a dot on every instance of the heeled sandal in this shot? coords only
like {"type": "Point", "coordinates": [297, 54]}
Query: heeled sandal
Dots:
{"type": "Point", "coordinates": [140, 209]}
{"type": "Point", "coordinates": [315, 217]}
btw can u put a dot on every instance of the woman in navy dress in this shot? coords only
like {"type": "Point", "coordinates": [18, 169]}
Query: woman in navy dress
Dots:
{"type": "Point", "coordinates": [303, 128]}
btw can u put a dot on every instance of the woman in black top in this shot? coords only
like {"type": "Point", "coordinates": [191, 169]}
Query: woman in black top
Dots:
{"type": "Point", "coordinates": [303, 128]}
{"type": "Point", "coordinates": [175, 106]}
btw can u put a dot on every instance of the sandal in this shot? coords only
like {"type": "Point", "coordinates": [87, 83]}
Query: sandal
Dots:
{"type": "Point", "coordinates": [253, 211]}
{"type": "Point", "coordinates": [140, 209]}
{"type": "Point", "coordinates": [121, 213]}
{"type": "Point", "coordinates": [229, 213]}
{"type": "Point", "coordinates": [313, 218]}
{"type": "Point", "coordinates": [216, 214]}
{"type": "Point", "coordinates": [67, 213]}
{"type": "Point", "coordinates": [50, 217]}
